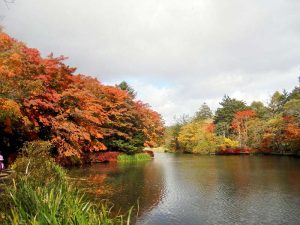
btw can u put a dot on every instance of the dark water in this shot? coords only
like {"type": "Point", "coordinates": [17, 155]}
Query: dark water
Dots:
{"type": "Point", "coordinates": [191, 189]}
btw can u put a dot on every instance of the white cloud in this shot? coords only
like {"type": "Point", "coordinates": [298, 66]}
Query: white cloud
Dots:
{"type": "Point", "coordinates": [177, 54]}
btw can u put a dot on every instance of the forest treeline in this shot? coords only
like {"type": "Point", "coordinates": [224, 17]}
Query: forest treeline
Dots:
{"type": "Point", "coordinates": [236, 127]}
{"type": "Point", "coordinates": [43, 99]}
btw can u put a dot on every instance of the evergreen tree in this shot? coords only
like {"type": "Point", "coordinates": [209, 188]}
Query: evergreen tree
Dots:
{"type": "Point", "coordinates": [225, 114]}
{"type": "Point", "coordinates": [126, 87]}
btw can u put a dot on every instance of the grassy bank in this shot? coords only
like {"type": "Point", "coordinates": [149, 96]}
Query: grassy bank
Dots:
{"type": "Point", "coordinates": [134, 158]}
{"type": "Point", "coordinates": [39, 193]}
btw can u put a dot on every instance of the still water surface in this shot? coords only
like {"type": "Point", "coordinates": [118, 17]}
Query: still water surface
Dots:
{"type": "Point", "coordinates": [190, 189]}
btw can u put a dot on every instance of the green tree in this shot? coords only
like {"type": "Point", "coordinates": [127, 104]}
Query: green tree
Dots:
{"type": "Point", "coordinates": [172, 133]}
{"type": "Point", "coordinates": [126, 87]}
{"type": "Point", "coordinates": [292, 108]}
{"type": "Point", "coordinates": [277, 102]}
{"type": "Point", "coordinates": [292, 105]}
{"type": "Point", "coordinates": [225, 114]}
{"type": "Point", "coordinates": [260, 109]}
{"type": "Point", "coordinates": [203, 113]}
{"type": "Point", "coordinates": [295, 94]}
{"type": "Point", "coordinates": [256, 130]}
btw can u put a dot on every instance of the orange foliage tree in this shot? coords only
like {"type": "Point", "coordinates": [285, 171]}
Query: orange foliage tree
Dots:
{"type": "Point", "coordinates": [282, 135]}
{"type": "Point", "coordinates": [240, 125]}
{"type": "Point", "coordinates": [42, 98]}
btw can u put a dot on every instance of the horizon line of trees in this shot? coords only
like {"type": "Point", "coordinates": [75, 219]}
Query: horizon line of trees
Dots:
{"type": "Point", "coordinates": [43, 99]}
{"type": "Point", "coordinates": [237, 127]}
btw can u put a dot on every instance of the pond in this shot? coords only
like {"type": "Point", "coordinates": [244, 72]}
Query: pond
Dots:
{"type": "Point", "coordinates": [192, 189]}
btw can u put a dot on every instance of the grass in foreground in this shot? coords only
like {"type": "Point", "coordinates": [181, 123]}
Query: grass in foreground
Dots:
{"type": "Point", "coordinates": [40, 194]}
{"type": "Point", "coordinates": [134, 158]}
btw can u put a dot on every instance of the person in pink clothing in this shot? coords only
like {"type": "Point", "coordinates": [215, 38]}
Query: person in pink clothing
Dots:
{"type": "Point", "coordinates": [1, 162]}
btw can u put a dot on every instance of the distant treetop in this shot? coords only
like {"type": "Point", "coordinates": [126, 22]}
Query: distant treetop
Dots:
{"type": "Point", "coordinates": [126, 87]}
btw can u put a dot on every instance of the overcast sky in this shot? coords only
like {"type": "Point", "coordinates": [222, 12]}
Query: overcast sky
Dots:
{"type": "Point", "coordinates": [176, 54]}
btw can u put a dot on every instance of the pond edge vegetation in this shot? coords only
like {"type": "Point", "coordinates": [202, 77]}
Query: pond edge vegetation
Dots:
{"type": "Point", "coordinates": [49, 116]}
{"type": "Point", "coordinates": [39, 192]}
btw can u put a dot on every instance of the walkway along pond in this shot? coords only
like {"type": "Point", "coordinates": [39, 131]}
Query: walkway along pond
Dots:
{"type": "Point", "coordinates": [193, 189]}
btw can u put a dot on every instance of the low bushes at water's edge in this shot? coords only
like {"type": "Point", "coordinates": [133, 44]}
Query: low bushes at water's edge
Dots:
{"type": "Point", "coordinates": [101, 157]}
{"type": "Point", "coordinates": [38, 192]}
{"type": "Point", "coordinates": [104, 157]}
{"type": "Point", "coordinates": [134, 158]}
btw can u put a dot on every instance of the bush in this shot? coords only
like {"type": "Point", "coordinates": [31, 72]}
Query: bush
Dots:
{"type": "Point", "coordinates": [205, 147]}
{"type": "Point", "coordinates": [40, 194]}
{"type": "Point", "coordinates": [130, 146]}
{"type": "Point", "coordinates": [228, 143]}
{"type": "Point", "coordinates": [36, 165]}
{"type": "Point", "coordinates": [134, 158]}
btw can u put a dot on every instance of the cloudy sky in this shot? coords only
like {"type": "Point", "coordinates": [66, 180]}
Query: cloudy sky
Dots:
{"type": "Point", "coordinates": [176, 54]}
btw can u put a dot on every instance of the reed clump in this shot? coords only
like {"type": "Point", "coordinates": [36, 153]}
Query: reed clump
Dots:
{"type": "Point", "coordinates": [39, 193]}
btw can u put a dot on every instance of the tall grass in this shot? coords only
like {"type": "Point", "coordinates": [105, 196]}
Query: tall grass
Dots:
{"type": "Point", "coordinates": [58, 204]}
{"type": "Point", "coordinates": [40, 194]}
{"type": "Point", "coordinates": [134, 158]}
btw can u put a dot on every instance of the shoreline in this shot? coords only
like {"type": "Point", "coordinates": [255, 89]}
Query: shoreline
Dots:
{"type": "Point", "coordinates": [238, 154]}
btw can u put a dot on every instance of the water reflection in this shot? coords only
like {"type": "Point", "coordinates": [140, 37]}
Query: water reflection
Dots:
{"type": "Point", "coordinates": [125, 185]}
{"type": "Point", "coordinates": [190, 189]}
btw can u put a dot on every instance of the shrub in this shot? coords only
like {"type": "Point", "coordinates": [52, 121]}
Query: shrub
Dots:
{"type": "Point", "coordinates": [228, 143]}
{"type": "Point", "coordinates": [36, 165]}
{"type": "Point", "coordinates": [40, 194]}
{"type": "Point", "coordinates": [134, 158]}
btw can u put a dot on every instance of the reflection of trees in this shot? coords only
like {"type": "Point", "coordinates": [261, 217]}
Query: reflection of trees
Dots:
{"type": "Point", "coordinates": [230, 189]}
{"type": "Point", "coordinates": [124, 185]}
{"type": "Point", "coordinates": [140, 183]}
{"type": "Point", "coordinates": [262, 172]}
{"type": "Point", "coordinates": [221, 188]}
{"type": "Point", "coordinates": [255, 183]}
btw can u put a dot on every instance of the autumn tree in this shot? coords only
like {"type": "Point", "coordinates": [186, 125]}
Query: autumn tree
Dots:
{"type": "Point", "coordinates": [199, 137]}
{"type": "Point", "coordinates": [43, 99]}
{"type": "Point", "coordinates": [240, 124]}
{"type": "Point", "coordinates": [173, 132]}
{"type": "Point", "coordinates": [256, 129]}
